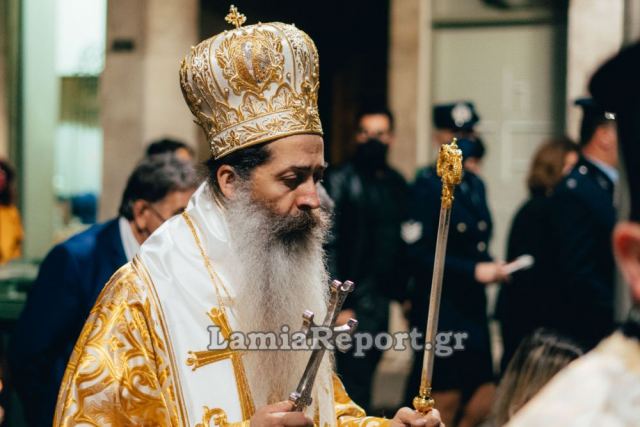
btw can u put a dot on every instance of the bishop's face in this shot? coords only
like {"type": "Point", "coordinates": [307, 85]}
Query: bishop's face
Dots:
{"type": "Point", "coordinates": [287, 183]}
{"type": "Point", "coordinates": [277, 230]}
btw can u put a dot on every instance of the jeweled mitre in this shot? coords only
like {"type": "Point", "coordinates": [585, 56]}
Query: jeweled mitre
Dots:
{"type": "Point", "coordinates": [252, 84]}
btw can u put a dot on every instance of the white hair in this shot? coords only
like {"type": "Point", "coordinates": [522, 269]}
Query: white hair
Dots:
{"type": "Point", "coordinates": [283, 272]}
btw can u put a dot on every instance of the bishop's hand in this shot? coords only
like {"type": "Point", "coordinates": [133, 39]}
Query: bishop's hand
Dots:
{"type": "Point", "coordinates": [280, 415]}
{"type": "Point", "coordinates": [407, 417]}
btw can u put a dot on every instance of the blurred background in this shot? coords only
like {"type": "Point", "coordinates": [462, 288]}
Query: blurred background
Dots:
{"type": "Point", "coordinates": [85, 85]}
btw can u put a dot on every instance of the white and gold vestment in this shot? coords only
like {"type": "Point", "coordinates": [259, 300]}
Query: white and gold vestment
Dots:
{"type": "Point", "coordinates": [142, 356]}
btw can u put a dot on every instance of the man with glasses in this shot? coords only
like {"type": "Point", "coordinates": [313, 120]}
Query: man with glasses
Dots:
{"type": "Point", "coordinates": [74, 272]}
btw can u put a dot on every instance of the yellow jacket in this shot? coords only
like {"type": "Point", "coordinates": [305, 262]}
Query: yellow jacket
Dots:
{"type": "Point", "coordinates": [11, 233]}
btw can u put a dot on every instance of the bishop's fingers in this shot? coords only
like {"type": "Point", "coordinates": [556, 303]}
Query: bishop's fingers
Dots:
{"type": "Point", "coordinates": [292, 419]}
{"type": "Point", "coordinates": [409, 418]}
{"type": "Point", "coordinates": [433, 419]}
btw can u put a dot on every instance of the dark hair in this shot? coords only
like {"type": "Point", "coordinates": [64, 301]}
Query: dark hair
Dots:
{"type": "Point", "coordinates": [548, 163]}
{"type": "Point", "coordinates": [167, 145]}
{"type": "Point", "coordinates": [6, 194]}
{"type": "Point", "coordinates": [615, 86]}
{"type": "Point", "coordinates": [538, 358]}
{"type": "Point", "coordinates": [629, 131]}
{"type": "Point", "coordinates": [243, 161]}
{"type": "Point", "coordinates": [472, 148]}
{"type": "Point", "coordinates": [482, 148]}
{"type": "Point", "coordinates": [371, 110]}
{"type": "Point", "coordinates": [155, 177]}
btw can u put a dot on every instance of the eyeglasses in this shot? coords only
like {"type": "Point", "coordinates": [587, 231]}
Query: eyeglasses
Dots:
{"type": "Point", "coordinates": [156, 213]}
{"type": "Point", "coordinates": [159, 215]}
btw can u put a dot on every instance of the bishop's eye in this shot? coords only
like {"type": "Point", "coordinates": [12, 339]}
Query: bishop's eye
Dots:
{"type": "Point", "coordinates": [293, 180]}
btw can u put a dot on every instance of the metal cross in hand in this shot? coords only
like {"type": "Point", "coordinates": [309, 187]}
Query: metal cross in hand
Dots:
{"type": "Point", "coordinates": [301, 398]}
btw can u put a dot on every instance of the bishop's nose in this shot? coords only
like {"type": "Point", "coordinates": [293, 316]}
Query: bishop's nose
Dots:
{"type": "Point", "coordinates": [308, 198]}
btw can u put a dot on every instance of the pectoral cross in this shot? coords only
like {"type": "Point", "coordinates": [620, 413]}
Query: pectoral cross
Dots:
{"type": "Point", "coordinates": [198, 359]}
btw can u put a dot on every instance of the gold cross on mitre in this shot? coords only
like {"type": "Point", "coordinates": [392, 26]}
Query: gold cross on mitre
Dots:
{"type": "Point", "coordinates": [234, 17]}
{"type": "Point", "coordinates": [198, 359]}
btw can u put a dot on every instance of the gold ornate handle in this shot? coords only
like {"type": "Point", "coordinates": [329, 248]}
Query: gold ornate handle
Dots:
{"type": "Point", "coordinates": [449, 169]}
{"type": "Point", "coordinates": [424, 403]}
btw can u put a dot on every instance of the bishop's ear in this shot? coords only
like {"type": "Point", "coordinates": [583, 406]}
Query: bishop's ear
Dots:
{"type": "Point", "coordinates": [227, 180]}
{"type": "Point", "coordinates": [626, 245]}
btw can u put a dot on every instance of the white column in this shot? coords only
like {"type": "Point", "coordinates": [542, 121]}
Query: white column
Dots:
{"type": "Point", "coordinates": [140, 91]}
{"type": "Point", "coordinates": [632, 21]}
{"type": "Point", "coordinates": [121, 99]}
{"type": "Point", "coordinates": [595, 32]}
{"type": "Point", "coordinates": [409, 82]}
{"type": "Point", "coordinates": [40, 97]}
{"type": "Point", "coordinates": [172, 28]}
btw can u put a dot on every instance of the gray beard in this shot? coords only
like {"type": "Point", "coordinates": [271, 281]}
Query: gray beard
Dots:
{"type": "Point", "coordinates": [282, 271]}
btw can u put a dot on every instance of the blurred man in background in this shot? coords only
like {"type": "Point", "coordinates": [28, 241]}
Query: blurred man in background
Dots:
{"type": "Point", "coordinates": [73, 274]}
{"type": "Point", "coordinates": [370, 206]}
{"type": "Point", "coordinates": [580, 267]}
{"type": "Point", "coordinates": [172, 146]}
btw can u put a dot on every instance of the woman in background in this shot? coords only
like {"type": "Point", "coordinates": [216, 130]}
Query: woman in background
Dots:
{"type": "Point", "coordinates": [520, 307]}
{"type": "Point", "coordinates": [10, 225]}
{"type": "Point", "coordinates": [538, 358]}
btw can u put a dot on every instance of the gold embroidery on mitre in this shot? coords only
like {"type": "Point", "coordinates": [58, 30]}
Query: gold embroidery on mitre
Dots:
{"type": "Point", "coordinates": [252, 84]}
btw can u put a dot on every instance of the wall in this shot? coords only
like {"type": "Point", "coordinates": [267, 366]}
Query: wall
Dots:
{"type": "Point", "coordinates": [409, 82]}
{"type": "Point", "coordinates": [510, 74]}
{"type": "Point", "coordinates": [632, 21]}
{"type": "Point", "coordinates": [590, 42]}
{"type": "Point", "coordinates": [4, 118]}
{"type": "Point", "coordinates": [476, 11]}
{"type": "Point", "coordinates": [39, 117]}
{"type": "Point", "coordinates": [140, 92]}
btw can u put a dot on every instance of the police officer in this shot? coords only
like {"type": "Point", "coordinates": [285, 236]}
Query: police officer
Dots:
{"type": "Point", "coordinates": [582, 216]}
{"type": "Point", "coordinates": [463, 380]}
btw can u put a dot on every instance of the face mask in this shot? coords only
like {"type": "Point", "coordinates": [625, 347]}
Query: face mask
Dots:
{"type": "Point", "coordinates": [372, 155]}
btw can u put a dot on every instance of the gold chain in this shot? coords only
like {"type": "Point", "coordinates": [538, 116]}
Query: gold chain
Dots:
{"type": "Point", "coordinates": [212, 274]}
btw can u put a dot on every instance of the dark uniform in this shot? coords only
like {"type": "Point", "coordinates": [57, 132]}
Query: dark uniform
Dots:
{"type": "Point", "coordinates": [580, 267]}
{"type": "Point", "coordinates": [463, 304]}
{"type": "Point", "coordinates": [367, 247]}
{"type": "Point", "coordinates": [520, 300]}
